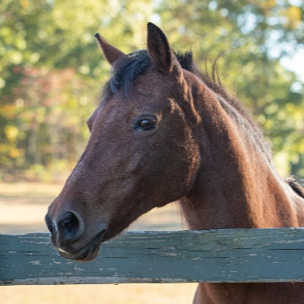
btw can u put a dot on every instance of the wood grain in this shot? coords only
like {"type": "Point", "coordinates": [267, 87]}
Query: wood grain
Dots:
{"type": "Point", "coordinates": [239, 255]}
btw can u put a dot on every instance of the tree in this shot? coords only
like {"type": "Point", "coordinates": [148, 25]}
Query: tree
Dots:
{"type": "Point", "coordinates": [52, 71]}
{"type": "Point", "coordinates": [252, 37]}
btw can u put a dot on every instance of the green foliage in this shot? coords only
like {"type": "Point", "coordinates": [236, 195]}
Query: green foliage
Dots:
{"type": "Point", "coordinates": [51, 70]}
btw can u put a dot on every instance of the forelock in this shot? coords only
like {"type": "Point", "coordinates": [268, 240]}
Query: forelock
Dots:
{"type": "Point", "coordinates": [126, 71]}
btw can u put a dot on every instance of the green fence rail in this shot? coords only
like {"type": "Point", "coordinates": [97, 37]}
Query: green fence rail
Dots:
{"type": "Point", "coordinates": [233, 255]}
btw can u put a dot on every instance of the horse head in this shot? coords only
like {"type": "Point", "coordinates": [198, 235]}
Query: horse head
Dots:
{"type": "Point", "coordinates": [142, 152]}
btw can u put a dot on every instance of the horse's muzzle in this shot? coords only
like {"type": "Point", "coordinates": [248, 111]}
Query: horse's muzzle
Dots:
{"type": "Point", "coordinates": [87, 253]}
{"type": "Point", "coordinates": [67, 236]}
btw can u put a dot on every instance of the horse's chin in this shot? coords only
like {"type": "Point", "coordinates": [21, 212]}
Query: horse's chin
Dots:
{"type": "Point", "coordinates": [87, 253]}
{"type": "Point", "coordinates": [84, 255]}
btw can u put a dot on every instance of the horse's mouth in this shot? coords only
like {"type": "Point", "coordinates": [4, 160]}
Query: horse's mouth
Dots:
{"type": "Point", "coordinates": [87, 253]}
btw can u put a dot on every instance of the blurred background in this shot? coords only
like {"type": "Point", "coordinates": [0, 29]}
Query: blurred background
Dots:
{"type": "Point", "coordinates": [52, 73]}
{"type": "Point", "coordinates": [51, 70]}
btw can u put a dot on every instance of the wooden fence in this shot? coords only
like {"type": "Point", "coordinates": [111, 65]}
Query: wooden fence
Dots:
{"type": "Point", "coordinates": [239, 255]}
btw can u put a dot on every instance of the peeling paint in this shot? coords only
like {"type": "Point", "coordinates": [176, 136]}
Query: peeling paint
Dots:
{"type": "Point", "coordinates": [35, 262]}
{"type": "Point", "coordinates": [243, 255]}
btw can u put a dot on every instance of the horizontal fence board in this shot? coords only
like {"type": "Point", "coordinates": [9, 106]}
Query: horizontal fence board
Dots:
{"type": "Point", "coordinates": [233, 255]}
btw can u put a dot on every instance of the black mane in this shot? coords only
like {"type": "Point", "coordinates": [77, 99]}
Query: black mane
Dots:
{"type": "Point", "coordinates": [126, 71]}
{"type": "Point", "coordinates": [129, 68]}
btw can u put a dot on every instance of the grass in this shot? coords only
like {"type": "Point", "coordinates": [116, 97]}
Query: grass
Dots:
{"type": "Point", "coordinates": [23, 207]}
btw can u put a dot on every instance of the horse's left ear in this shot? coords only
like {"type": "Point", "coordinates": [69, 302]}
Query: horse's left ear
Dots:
{"type": "Point", "coordinates": [160, 51]}
{"type": "Point", "coordinates": [111, 53]}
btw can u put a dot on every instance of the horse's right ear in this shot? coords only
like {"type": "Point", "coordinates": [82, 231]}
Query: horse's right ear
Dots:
{"type": "Point", "coordinates": [111, 53]}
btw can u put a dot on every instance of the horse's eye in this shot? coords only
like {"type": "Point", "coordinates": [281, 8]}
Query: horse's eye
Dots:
{"type": "Point", "coordinates": [146, 124]}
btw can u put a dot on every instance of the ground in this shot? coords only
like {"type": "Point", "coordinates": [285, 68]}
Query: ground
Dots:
{"type": "Point", "coordinates": [22, 210]}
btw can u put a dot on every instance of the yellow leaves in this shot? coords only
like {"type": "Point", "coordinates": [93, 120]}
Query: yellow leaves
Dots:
{"type": "Point", "coordinates": [24, 3]}
{"type": "Point", "coordinates": [295, 113]}
{"type": "Point", "coordinates": [2, 83]}
{"type": "Point", "coordinates": [293, 16]}
{"type": "Point", "coordinates": [7, 111]}
{"type": "Point", "coordinates": [266, 4]}
{"type": "Point", "coordinates": [15, 153]}
{"type": "Point", "coordinates": [294, 13]}
{"type": "Point", "coordinates": [11, 132]}
{"type": "Point", "coordinates": [271, 109]}
{"type": "Point", "coordinates": [33, 58]}
{"type": "Point", "coordinates": [16, 57]}
{"type": "Point", "coordinates": [21, 43]}
{"type": "Point", "coordinates": [84, 69]}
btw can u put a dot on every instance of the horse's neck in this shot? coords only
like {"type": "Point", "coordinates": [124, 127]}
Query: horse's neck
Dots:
{"type": "Point", "coordinates": [237, 185]}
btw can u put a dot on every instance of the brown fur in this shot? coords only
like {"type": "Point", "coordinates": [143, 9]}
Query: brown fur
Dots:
{"type": "Point", "coordinates": [174, 135]}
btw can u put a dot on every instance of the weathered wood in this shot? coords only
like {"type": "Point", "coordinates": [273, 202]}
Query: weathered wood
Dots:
{"type": "Point", "coordinates": [253, 255]}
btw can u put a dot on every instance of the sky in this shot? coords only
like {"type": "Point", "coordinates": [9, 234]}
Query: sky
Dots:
{"type": "Point", "coordinates": [295, 63]}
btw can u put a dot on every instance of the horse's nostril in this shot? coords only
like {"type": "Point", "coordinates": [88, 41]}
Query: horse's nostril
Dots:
{"type": "Point", "coordinates": [70, 226]}
{"type": "Point", "coordinates": [68, 221]}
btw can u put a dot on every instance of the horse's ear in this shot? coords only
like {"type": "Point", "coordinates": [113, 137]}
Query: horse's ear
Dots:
{"type": "Point", "coordinates": [111, 53]}
{"type": "Point", "coordinates": [160, 51]}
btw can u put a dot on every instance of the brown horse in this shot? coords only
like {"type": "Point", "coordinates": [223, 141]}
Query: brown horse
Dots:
{"type": "Point", "coordinates": [165, 132]}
